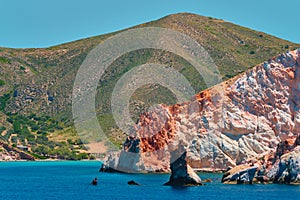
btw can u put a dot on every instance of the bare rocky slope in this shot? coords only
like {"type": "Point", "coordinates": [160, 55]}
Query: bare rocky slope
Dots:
{"type": "Point", "coordinates": [226, 125]}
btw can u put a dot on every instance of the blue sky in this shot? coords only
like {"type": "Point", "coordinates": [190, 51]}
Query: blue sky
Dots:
{"type": "Point", "coordinates": [43, 23]}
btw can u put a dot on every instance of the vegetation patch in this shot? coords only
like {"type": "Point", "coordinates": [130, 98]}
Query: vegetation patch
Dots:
{"type": "Point", "coordinates": [34, 131]}
{"type": "Point", "coordinates": [4, 60]}
{"type": "Point", "coordinates": [2, 82]}
{"type": "Point", "coordinates": [22, 68]}
{"type": "Point", "coordinates": [3, 100]}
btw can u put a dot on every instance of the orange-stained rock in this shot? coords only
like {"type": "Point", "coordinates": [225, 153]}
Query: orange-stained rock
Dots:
{"type": "Point", "coordinates": [230, 123]}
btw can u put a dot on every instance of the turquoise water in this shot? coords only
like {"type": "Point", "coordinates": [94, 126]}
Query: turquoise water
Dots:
{"type": "Point", "coordinates": [71, 180]}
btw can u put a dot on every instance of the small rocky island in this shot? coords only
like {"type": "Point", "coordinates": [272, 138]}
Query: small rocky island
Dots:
{"type": "Point", "coordinates": [183, 174]}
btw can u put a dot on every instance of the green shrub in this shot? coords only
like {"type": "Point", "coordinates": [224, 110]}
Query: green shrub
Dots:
{"type": "Point", "coordinates": [2, 128]}
{"type": "Point", "coordinates": [229, 76]}
{"type": "Point", "coordinates": [82, 156]}
{"type": "Point", "coordinates": [37, 156]}
{"type": "Point", "coordinates": [4, 60]}
{"type": "Point", "coordinates": [2, 82]}
{"type": "Point", "coordinates": [70, 141]}
{"type": "Point", "coordinates": [42, 150]}
{"type": "Point", "coordinates": [3, 101]}
{"type": "Point", "coordinates": [14, 140]}
{"type": "Point", "coordinates": [17, 126]}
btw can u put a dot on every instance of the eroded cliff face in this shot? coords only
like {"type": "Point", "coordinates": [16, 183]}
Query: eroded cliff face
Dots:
{"type": "Point", "coordinates": [229, 123]}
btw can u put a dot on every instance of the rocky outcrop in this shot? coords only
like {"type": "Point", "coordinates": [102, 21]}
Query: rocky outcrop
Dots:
{"type": "Point", "coordinates": [289, 168]}
{"type": "Point", "coordinates": [132, 182]}
{"type": "Point", "coordinates": [243, 174]}
{"type": "Point", "coordinates": [128, 160]}
{"type": "Point", "coordinates": [17, 154]}
{"type": "Point", "coordinates": [230, 123]}
{"type": "Point", "coordinates": [182, 173]}
{"type": "Point", "coordinates": [281, 166]}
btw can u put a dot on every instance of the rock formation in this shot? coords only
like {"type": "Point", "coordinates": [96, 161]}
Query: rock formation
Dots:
{"type": "Point", "coordinates": [132, 182]}
{"type": "Point", "coordinates": [228, 124]}
{"type": "Point", "coordinates": [243, 174]}
{"type": "Point", "coordinates": [289, 168]}
{"type": "Point", "coordinates": [128, 160]}
{"type": "Point", "coordinates": [182, 173]}
{"type": "Point", "coordinates": [281, 166]}
{"type": "Point", "coordinates": [13, 153]}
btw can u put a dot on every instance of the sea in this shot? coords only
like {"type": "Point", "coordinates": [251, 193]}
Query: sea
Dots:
{"type": "Point", "coordinates": [72, 180]}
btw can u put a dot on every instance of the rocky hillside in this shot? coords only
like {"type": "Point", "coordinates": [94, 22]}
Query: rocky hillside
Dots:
{"type": "Point", "coordinates": [226, 125]}
{"type": "Point", "coordinates": [36, 84]}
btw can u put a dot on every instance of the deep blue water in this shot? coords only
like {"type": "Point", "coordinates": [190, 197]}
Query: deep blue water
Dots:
{"type": "Point", "coordinates": [71, 180]}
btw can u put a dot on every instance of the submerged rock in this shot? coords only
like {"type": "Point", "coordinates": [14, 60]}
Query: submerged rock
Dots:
{"type": "Point", "coordinates": [183, 174]}
{"type": "Point", "coordinates": [132, 182]}
{"type": "Point", "coordinates": [95, 181]}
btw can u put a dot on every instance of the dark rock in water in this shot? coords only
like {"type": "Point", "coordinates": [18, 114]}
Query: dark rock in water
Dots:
{"type": "Point", "coordinates": [132, 183]}
{"type": "Point", "coordinates": [105, 168]}
{"type": "Point", "coordinates": [95, 181]}
{"type": "Point", "coordinates": [182, 173]}
{"type": "Point", "coordinates": [242, 174]}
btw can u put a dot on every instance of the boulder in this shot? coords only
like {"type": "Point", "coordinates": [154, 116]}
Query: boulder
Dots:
{"type": "Point", "coordinates": [183, 174]}
{"type": "Point", "coordinates": [132, 182]}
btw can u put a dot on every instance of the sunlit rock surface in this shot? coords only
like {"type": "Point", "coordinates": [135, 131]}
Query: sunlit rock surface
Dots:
{"type": "Point", "coordinates": [226, 125]}
{"type": "Point", "coordinates": [281, 166]}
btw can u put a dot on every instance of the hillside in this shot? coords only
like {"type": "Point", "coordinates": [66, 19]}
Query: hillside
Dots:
{"type": "Point", "coordinates": [36, 84]}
